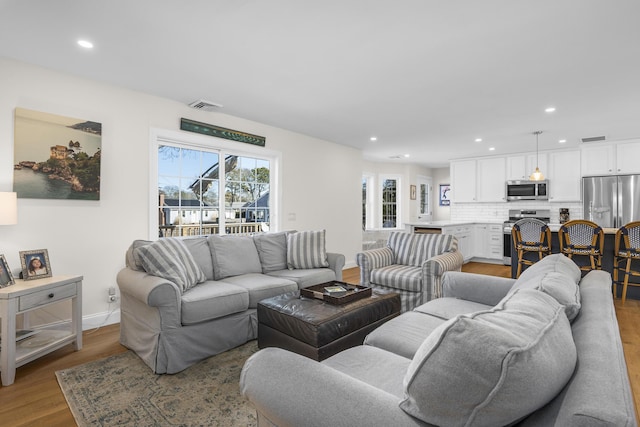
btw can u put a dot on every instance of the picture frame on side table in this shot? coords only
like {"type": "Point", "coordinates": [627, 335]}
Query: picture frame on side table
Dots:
{"type": "Point", "coordinates": [6, 278]}
{"type": "Point", "coordinates": [35, 264]}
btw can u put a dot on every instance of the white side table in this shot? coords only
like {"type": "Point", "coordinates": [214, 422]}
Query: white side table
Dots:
{"type": "Point", "coordinates": [27, 295]}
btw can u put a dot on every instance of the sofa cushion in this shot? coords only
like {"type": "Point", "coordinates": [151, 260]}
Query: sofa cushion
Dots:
{"type": "Point", "coordinates": [170, 259]}
{"type": "Point", "coordinates": [447, 308]}
{"type": "Point", "coordinates": [398, 276]}
{"type": "Point", "coordinates": [306, 249]}
{"type": "Point", "coordinates": [272, 250]}
{"type": "Point", "coordinates": [401, 244]}
{"type": "Point", "coordinates": [379, 368]}
{"type": "Point", "coordinates": [403, 335]}
{"type": "Point", "coordinates": [261, 286]}
{"type": "Point", "coordinates": [427, 246]}
{"type": "Point", "coordinates": [558, 285]}
{"type": "Point", "coordinates": [211, 300]}
{"type": "Point", "coordinates": [201, 253]}
{"type": "Point", "coordinates": [492, 367]}
{"type": "Point", "coordinates": [233, 255]}
{"type": "Point", "coordinates": [555, 262]}
{"type": "Point", "coordinates": [306, 277]}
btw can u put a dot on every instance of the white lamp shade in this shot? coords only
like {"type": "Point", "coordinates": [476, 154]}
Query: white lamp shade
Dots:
{"type": "Point", "coordinates": [8, 208]}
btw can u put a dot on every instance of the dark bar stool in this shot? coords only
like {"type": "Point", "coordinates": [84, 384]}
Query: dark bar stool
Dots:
{"type": "Point", "coordinates": [627, 249]}
{"type": "Point", "coordinates": [530, 235]}
{"type": "Point", "coordinates": [581, 237]}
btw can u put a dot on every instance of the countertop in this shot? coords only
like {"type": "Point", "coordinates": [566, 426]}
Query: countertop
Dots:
{"type": "Point", "coordinates": [445, 223]}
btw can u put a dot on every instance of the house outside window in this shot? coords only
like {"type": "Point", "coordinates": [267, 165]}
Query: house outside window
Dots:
{"type": "Point", "coordinates": [198, 194]}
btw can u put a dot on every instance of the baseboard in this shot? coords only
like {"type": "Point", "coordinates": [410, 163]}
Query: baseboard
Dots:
{"type": "Point", "coordinates": [97, 320]}
{"type": "Point", "coordinates": [350, 264]}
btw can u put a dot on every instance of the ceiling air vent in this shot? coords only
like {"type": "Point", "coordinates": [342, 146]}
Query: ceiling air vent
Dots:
{"type": "Point", "coordinates": [202, 104]}
{"type": "Point", "coordinates": [593, 139]}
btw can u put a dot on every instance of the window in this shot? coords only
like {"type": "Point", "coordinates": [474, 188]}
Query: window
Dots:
{"type": "Point", "coordinates": [381, 208]}
{"type": "Point", "coordinates": [424, 198]}
{"type": "Point", "coordinates": [389, 203]}
{"type": "Point", "coordinates": [211, 190]}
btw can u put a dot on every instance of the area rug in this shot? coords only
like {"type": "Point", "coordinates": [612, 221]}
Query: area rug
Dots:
{"type": "Point", "coordinates": [122, 391]}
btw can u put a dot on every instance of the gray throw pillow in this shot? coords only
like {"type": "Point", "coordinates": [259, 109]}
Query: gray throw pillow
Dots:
{"type": "Point", "coordinates": [170, 259]}
{"type": "Point", "coordinates": [306, 249]}
{"type": "Point", "coordinates": [558, 285]}
{"type": "Point", "coordinates": [494, 367]}
{"type": "Point", "coordinates": [272, 250]}
{"type": "Point", "coordinates": [233, 256]}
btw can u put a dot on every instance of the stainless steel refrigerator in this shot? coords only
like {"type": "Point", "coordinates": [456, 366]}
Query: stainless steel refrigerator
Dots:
{"type": "Point", "coordinates": [611, 201]}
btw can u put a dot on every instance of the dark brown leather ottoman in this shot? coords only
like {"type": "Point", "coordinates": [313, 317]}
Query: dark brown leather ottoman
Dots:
{"type": "Point", "coordinates": [317, 329]}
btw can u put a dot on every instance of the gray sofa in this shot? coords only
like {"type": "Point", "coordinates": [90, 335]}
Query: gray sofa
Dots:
{"type": "Point", "coordinates": [183, 300]}
{"type": "Point", "coordinates": [411, 265]}
{"type": "Point", "coordinates": [543, 350]}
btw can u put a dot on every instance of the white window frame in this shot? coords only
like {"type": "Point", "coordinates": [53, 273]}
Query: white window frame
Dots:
{"type": "Point", "coordinates": [399, 200]}
{"type": "Point", "coordinates": [374, 200]}
{"type": "Point", "coordinates": [223, 147]}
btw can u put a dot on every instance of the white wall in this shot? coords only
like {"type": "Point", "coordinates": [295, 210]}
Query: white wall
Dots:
{"type": "Point", "coordinates": [320, 180]}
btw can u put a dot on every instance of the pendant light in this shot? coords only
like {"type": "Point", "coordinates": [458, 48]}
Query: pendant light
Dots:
{"type": "Point", "coordinates": [537, 175]}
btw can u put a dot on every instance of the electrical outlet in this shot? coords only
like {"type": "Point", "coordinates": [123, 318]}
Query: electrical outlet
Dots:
{"type": "Point", "coordinates": [112, 295]}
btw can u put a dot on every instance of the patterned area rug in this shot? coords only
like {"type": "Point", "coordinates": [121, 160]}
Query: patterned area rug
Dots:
{"type": "Point", "coordinates": [121, 390]}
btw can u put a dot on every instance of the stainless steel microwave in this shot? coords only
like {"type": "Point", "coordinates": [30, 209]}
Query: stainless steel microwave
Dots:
{"type": "Point", "coordinates": [527, 190]}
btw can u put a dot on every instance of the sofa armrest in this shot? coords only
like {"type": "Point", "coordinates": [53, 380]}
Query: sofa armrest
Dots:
{"type": "Point", "coordinates": [371, 259]}
{"type": "Point", "coordinates": [336, 263]}
{"type": "Point", "coordinates": [316, 395]}
{"type": "Point", "coordinates": [474, 287]}
{"type": "Point", "coordinates": [435, 267]}
{"type": "Point", "coordinates": [153, 291]}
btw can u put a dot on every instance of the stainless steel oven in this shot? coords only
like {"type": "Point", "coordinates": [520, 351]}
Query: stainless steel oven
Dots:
{"type": "Point", "coordinates": [514, 216]}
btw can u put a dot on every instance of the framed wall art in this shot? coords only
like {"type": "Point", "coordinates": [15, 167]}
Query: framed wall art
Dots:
{"type": "Point", "coordinates": [35, 264]}
{"type": "Point", "coordinates": [444, 194]}
{"type": "Point", "coordinates": [6, 278]}
{"type": "Point", "coordinates": [56, 157]}
{"type": "Point", "coordinates": [412, 192]}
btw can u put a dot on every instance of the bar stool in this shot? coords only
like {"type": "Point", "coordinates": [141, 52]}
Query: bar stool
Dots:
{"type": "Point", "coordinates": [627, 249]}
{"type": "Point", "coordinates": [581, 237]}
{"type": "Point", "coordinates": [530, 235]}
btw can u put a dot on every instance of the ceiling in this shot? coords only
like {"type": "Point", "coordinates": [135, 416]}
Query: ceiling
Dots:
{"type": "Point", "coordinates": [425, 77]}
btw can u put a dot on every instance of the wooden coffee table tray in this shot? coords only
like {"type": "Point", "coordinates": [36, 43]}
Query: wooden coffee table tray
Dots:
{"type": "Point", "coordinates": [354, 292]}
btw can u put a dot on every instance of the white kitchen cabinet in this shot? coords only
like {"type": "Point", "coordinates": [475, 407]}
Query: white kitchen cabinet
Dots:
{"type": "Point", "coordinates": [521, 166]}
{"type": "Point", "coordinates": [627, 155]}
{"type": "Point", "coordinates": [610, 159]}
{"type": "Point", "coordinates": [491, 179]}
{"type": "Point", "coordinates": [564, 176]}
{"type": "Point", "coordinates": [597, 160]}
{"type": "Point", "coordinates": [463, 181]}
{"type": "Point", "coordinates": [479, 180]}
{"type": "Point", "coordinates": [488, 241]}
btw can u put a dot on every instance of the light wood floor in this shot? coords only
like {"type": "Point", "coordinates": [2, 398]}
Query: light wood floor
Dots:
{"type": "Point", "coordinates": [35, 398]}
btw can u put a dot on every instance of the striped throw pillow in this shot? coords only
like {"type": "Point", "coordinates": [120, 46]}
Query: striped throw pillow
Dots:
{"type": "Point", "coordinates": [306, 249]}
{"type": "Point", "coordinates": [170, 259]}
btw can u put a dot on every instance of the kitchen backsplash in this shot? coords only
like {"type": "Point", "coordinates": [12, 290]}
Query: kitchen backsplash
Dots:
{"type": "Point", "coordinates": [498, 212]}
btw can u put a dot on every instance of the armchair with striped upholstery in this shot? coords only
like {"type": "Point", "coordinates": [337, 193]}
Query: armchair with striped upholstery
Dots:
{"type": "Point", "coordinates": [411, 265]}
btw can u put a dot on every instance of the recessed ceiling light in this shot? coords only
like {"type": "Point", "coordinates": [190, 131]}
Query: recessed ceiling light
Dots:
{"type": "Point", "coordinates": [407, 155]}
{"type": "Point", "coordinates": [373, 138]}
{"type": "Point", "coordinates": [550, 109]}
{"type": "Point", "coordinates": [492, 148]}
{"type": "Point", "coordinates": [562, 141]}
{"type": "Point", "coordinates": [478, 139]}
{"type": "Point", "coordinates": [85, 44]}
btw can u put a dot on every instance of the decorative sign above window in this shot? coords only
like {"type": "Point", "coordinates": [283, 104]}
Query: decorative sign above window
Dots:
{"type": "Point", "coordinates": [220, 132]}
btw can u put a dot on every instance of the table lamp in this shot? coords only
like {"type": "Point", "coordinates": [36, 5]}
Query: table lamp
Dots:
{"type": "Point", "coordinates": [8, 208]}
